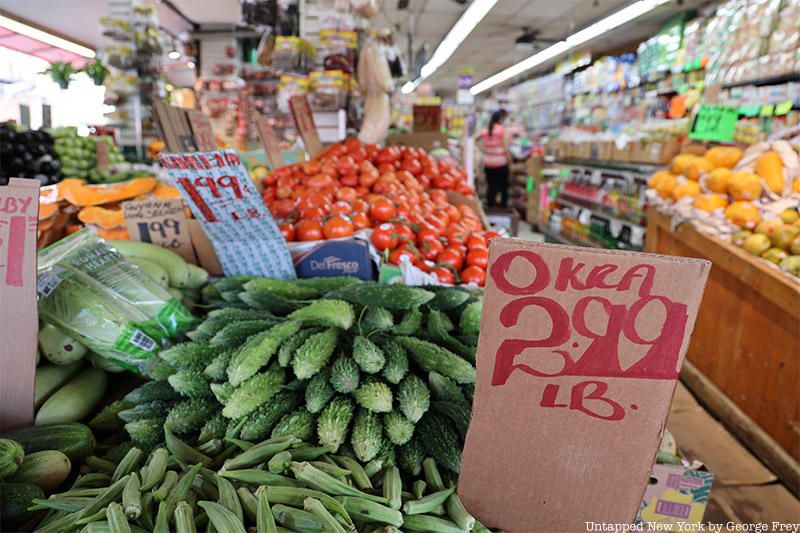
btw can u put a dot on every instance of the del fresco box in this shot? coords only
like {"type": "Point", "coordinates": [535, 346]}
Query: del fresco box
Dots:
{"type": "Point", "coordinates": [346, 257]}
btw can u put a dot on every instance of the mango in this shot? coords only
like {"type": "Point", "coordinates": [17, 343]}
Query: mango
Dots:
{"type": "Point", "coordinates": [791, 265]}
{"type": "Point", "coordinates": [783, 237]}
{"type": "Point", "coordinates": [710, 201]}
{"type": "Point", "coordinates": [756, 244]}
{"type": "Point", "coordinates": [743, 214]}
{"type": "Point", "coordinates": [717, 180]}
{"type": "Point", "coordinates": [789, 216]}
{"type": "Point", "coordinates": [775, 255]}
{"type": "Point", "coordinates": [744, 186]}
{"type": "Point", "coordinates": [769, 226]}
{"type": "Point", "coordinates": [739, 237]}
{"type": "Point", "coordinates": [794, 248]}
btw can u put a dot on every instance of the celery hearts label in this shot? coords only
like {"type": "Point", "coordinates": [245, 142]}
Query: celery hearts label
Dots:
{"type": "Point", "coordinates": [224, 199]}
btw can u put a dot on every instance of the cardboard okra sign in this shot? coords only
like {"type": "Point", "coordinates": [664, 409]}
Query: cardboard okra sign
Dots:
{"type": "Point", "coordinates": [578, 359]}
{"type": "Point", "coordinates": [19, 210]}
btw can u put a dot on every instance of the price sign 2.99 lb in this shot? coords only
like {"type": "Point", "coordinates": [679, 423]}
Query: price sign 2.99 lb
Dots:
{"type": "Point", "coordinates": [224, 199]}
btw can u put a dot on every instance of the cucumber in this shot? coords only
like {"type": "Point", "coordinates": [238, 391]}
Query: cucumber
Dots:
{"type": "Point", "coordinates": [46, 469]}
{"type": "Point", "coordinates": [15, 498]}
{"type": "Point", "coordinates": [152, 270]}
{"type": "Point", "coordinates": [49, 378]}
{"type": "Point", "coordinates": [176, 267]}
{"type": "Point", "coordinates": [75, 400]}
{"type": "Point", "coordinates": [197, 276]}
{"type": "Point", "coordinates": [11, 456]}
{"type": "Point", "coordinates": [72, 439]}
{"type": "Point", "coordinates": [98, 361]}
{"type": "Point", "coordinates": [58, 347]}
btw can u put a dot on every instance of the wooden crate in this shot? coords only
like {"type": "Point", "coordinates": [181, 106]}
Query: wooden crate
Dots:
{"type": "Point", "coordinates": [746, 339]}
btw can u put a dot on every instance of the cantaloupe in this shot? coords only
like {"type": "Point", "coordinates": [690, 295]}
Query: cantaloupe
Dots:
{"type": "Point", "coordinates": [743, 214]}
{"type": "Point", "coordinates": [697, 166]}
{"type": "Point", "coordinates": [723, 156]}
{"type": "Point", "coordinates": [717, 180]}
{"type": "Point", "coordinates": [710, 201]}
{"type": "Point", "coordinates": [770, 167]}
{"type": "Point", "coordinates": [744, 186]}
{"type": "Point", "coordinates": [689, 188]}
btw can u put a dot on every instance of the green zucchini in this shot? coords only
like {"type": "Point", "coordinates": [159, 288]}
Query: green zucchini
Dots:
{"type": "Point", "coordinates": [11, 456]}
{"type": "Point", "coordinates": [15, 498]}
{"type": "Point", "coordinates": [72, 439]}
{"type": "Point", "coordinates": [46, 469]}
{"type": "Point", "coordinates": [75, 400]}
{"type": "Point", "coordinates": [49, 378]}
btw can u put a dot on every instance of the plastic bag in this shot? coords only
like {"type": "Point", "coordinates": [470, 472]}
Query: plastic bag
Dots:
{"type": "Point", "coordinates": [376, 118]}
{"type": "Point", "coordinates": [85, 251]}
{"type": "Point", "coordinates": [373, 69]}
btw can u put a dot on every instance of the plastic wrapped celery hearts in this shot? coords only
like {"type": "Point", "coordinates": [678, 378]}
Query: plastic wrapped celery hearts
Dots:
{"type": "Point", "coordinates": [89, 289]}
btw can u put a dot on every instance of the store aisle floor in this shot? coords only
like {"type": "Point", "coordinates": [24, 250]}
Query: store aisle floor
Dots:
{"type": "Point", "coordinates": [744, 491]}
{"type": "Point", "coordinates": [527, 233]}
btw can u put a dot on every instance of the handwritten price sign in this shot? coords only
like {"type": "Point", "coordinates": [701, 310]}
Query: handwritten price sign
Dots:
{"type": "Point", "coordinates": [19, 208]}
{"type": "Point", "coordinates": [161, 222]}
{"type": "Point", "coordinates": [578, 358]}
{"type": "Point", "coordinates": [224, 200]}
{"type": "Point", "coordinates": [714, 123]}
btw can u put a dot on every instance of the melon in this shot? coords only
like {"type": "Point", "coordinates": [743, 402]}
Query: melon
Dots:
{"type": "Point", "coordinates": [723, 156]}
{"type": "Point", "coordinates": [718, 179]}
{"type": "Point", "coordinates": [666, 185]}
{"type": "Point", "coordinates": [696, 167]}
{"type": "Point", "coordinates": [710, 201]}
{"type": "Point", "coordinates": [690, 188]}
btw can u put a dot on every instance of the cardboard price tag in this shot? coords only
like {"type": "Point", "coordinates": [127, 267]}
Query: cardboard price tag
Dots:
{"type": "Point", "coordinates": [270, 142]}
{"type": "Point", "coordinates": [101, 151]}
{"type": "Point", "coordinates": [19, 317]}
{"type": "Point", "coordinates": [224, 200]}
{"type": "Point", "coordinates": [175, 128]}
{"type": "Point", "coordinates": [304, 122]}
{"type": "Point", "coordinates": [160, 222]}
{"type": "Point", "coordinates": [714, 123]}
{"type": "Point", "coordinates": [202, 130]}
{"type": "Point", "coordinates": [577, 362]}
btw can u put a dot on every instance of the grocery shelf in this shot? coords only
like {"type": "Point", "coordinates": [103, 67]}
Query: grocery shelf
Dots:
{"type": "Point", "coordinates": [598, 210]}
{"type": "Point", "coordinates": [641, 168]}
{"type": "Point", "coordinates": [555, 237]}
{"type": "Point", "coordinates": [772, 80]}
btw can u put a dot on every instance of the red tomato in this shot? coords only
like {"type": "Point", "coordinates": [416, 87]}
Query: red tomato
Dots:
{"type": "Point", "coordinates": [404, 233]}
{"type": "Point", "coordinates": [367, 179]}
{"type": "Point", "coordinates": [360, 220]}
{"type": "Point", "coordinates": [382, 211]}
{"type": "Point", "coordinates": [287, 230]}
{"type": "Point", "coordinates": [410, 253]}
{"type": "Point", "coordinates": [282, 208]}
{"type": "Point", "coordinates": [444, 275]}
{"type": "Point", "coordinates": [477, 241]}
{"type": "Point", "coordinates": [349, 180]}
{"type": "Point", "coordinates": [309, 230]}
{"type": "Point", "coordinates": [341, 208]}
{"type": "Point", "coordinates": [491, 235]}
{"type": "Point", "coordinates": [451, 258]}
{"type": "Point", "coordinates": [337, 227]}
{"type": "Point", "coordinates": [311, 168]}
{"type": "Point", "coordinates": [473, 274]}
{"type": "Point", "coordinates": [411, 165]}
{"type": "Point", "coordinates": [384, 237]}
{"type": "Point", "coordinates": [478, 257]}
{"type": "Point", "coordinates": [314, 213]}
{"type": "Point", "coordinates": [444, 181]}
{"type": "Point", "coordinates": [426, 234]}
{"type": "Point", "coordinates": [455, 236]}
{"type": "Point", "coordinates": [347, 194]}
{"type": "Point", "coordinates": [346, 165]}
{"type": "Point", "coordinates": [431, 249]}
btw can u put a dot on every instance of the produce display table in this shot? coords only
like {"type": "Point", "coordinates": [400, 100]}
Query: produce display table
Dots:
{"type": "Point", "coordinates": [746, 339]}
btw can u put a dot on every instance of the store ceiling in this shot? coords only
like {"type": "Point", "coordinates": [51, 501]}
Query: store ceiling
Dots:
{"type": "Point", "coordinates": [490, 47]}
{"type": "Point", "coordinates": [76, 20]}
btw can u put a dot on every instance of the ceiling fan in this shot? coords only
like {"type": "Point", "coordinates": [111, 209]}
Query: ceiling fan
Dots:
{"type": "Point", "coordinates": [530, 39]}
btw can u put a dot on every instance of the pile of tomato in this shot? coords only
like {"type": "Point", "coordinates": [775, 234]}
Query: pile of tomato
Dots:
{"type": "Point", "coordinates": [399, 192]}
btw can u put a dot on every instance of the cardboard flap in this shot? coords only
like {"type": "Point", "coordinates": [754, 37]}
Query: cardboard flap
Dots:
{"type": "Point", "coordinates": [577, 363]}
{"type": "Point", "coordinates": [19, 316]}
{"type": "Point", "coordinates": [270, 142]}
{"type": "Point", "coordinates": [304, 122]}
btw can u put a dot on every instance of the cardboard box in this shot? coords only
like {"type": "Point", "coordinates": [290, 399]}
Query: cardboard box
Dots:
{"type": "Point", "coordinates": [346, 257]}
{"type": "Point", "coordinates": [582, 150]}
{"type": "Point", "coordinates": [600, 150]}
{"type": "Point", "coordinates": [506, 218]}
{"type": "Point", "coordinates": [427, 118]}
{"type": "Point", "coordinates": [623, 155]}
{"type": "Point", "coordinates": [428, 140]}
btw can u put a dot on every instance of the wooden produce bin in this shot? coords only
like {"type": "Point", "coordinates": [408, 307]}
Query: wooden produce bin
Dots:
{"type": "Point", "coordinates": [746, 341]}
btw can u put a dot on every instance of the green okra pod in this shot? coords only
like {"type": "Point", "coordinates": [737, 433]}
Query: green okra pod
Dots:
{"type": "Point", "coordinates": [432, 476]}
{"type": "Point", "coordinates": [182, 488]}
{"type": "Point", "coordinates": [259, 477]}
{"type": "Point", "coordinates": [260, 453]}
{"type": "Point", "coordinates": [298, 520]}
{"type": "Point", "coordinates": [430, 524]}
{"type": "Point", "coordinates": [184, 518]}
{"type": "Point", "coordinates": [280, 462]}
{"type": "Point", "coordinates": [265, 522]}
{"type": "Point", "coordinates": [308, 453]}
{"type": "Point", "coordinates": [155, 469]}
{"type": "Point", "coordinates": [116, 519]}
{"type": "Point", "coordinates": [393, 487]}
{"type": "Point", "coordinates": [228, 497]}
{"type": "Point", "coordinates": [249, 503]}
{"type": "Point", "coordinates": [315, 507]}
{"type": "Point", "coordinates": [312, 476]}
{"type": "Point", "coordinates": [182, 451]}
{"type": "Point", "coordinates": [167, 483]}
{"type": "Point", "coordinates": [418, 488]}
{"type": "Point", "coordinates": [427, 504]}
{"type": "Point", "coordinates": [162, 519]}
{"type": "Point", "coordinates": [458, 513]}
{"type": "Point", "coordinates": [361, 510]}
{"type": "Point", "coordinates": [295, 496]}
{"type": "Point", "coordinates": [128, 464]}
{"type": "Point", "coordinates": [102, 465]}
{"type": "Point", "coordinates": [132, 498]}
{"type": "Point", "coordinates": [360, 477]}
{"type": "Point", "coordinates": [221, 518]}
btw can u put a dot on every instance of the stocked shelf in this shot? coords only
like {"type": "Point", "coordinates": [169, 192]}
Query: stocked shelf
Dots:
{"type": "Point", "coordinates": [640, 168]}
{"type": "Point", "coordinates": [598, 210]}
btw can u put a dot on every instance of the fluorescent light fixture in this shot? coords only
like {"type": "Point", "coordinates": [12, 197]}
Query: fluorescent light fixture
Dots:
{"type": "Point", "coordinates": [585, 35]}
{"type": "Point", "coordinates": [409, 87]}
{"type": "Point", "coordinates": [174, 55]}
{"type": "Point", "coordinates": [48, 38]}
{"type": "Point", "coordinates": [474, 14]}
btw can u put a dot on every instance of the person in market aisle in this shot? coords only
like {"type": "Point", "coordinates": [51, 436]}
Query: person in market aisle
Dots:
{"type": "Point", "coordinates": [496, 159]}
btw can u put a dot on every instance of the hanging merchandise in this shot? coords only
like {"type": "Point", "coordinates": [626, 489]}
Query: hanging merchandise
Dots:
{"type": "Point", "coordinates": [260, 12]}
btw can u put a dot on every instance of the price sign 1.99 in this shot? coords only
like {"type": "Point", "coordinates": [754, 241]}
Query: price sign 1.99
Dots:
{"type": "Point", "coordinates": [161, 222]}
